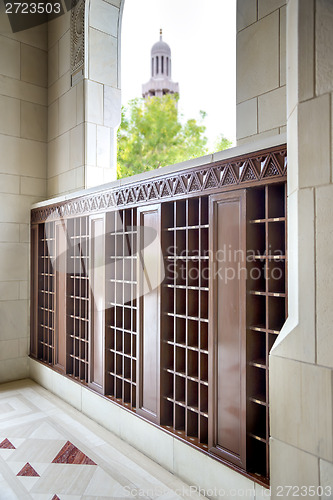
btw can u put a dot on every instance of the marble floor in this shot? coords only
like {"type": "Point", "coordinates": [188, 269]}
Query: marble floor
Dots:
{"type": "Point", "coordinates": [50, 451]}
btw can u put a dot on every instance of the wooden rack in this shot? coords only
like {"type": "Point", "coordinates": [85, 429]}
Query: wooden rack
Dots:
{"type": "Point", "coordinates": [190, 353]}
{"type": "Point", "coordinates": [185, 319]}
{"type": "Point", "coordinates": [266, 309]}
{"type": "Point", "coordinates": [78, 307]}
{"type": "Point", "coordinates": [121, 312]}
{"type": "Point", "coordinates": [46, 295]}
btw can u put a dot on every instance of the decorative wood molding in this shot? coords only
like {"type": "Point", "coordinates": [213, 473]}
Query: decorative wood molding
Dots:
{"type": "Point", "coordinates": [246, 171]}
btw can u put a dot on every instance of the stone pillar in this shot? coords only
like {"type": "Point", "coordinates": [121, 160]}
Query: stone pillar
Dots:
{"type": "Point", "coordinates": [102, 90]}
{"type": "Point", "coordinates": [301, 361]}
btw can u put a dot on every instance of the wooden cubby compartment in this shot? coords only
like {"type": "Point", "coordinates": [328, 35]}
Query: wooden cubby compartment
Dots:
{"type": "Point", "coordinates": [276, 201]}
{"type": "Point", "coordinates": [46, 298]}
{"type": "Point", "coordinates": [186, 373]}
{"type": "Point", "coordinates": [78, 299]}
{"type": "Point", "coordinates": [266, 310]}
{"type": "Point", "coordinates": [185, 309]}
{"type": "Point", "coordinates": [121, 317]}
{"type": "Point", "coordinates": [276, 276]}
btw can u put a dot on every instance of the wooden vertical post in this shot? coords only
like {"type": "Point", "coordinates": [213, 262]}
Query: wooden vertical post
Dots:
{"type": "Point", "coordinates": [149, 272]}
{"type": "Point", "coordinates": [227, 350]}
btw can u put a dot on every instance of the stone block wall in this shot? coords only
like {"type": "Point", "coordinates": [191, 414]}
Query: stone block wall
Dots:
{"type": "Point", "coordinates": [102, 91]}
{"type": "Point", "coordinates": [23, 153]}
{"type": "Point", "coordinates": [261, 69]}
{"type": "Point", "coordinates": [66, 171]}
{"type": "Point", "coordinates": [301, 362]}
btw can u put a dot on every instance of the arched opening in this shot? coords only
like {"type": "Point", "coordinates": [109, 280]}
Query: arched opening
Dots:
{"type": "Point", "coordinates": [204, 84]}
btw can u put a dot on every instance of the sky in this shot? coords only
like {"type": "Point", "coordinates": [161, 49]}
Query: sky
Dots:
{"type": "Point", "coordinates": [202, 38]}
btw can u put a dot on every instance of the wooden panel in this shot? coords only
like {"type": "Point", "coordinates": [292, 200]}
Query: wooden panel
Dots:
{"type": "Point", "coordinates": [149, 272]}
{"type": "Point", "coordinates": [97, 280]}
{"type": "Point", "coordinates": [34, 292]}
{"type": "Point", "coordinates": [60, 294]}
{"type": "Point", "coordinates": [227, 319]}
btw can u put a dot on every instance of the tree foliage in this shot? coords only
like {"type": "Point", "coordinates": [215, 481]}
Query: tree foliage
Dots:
{"type": "Point", "coordinates": [222, 143]}
{"type": "Point", "coordinates": [151, 135]}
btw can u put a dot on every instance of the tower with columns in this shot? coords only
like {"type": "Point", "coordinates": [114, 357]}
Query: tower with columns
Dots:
{"type": "Point", "coordinates": [160, 82]}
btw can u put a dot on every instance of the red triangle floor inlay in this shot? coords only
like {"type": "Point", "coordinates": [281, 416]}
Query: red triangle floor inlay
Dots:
{"type": "Point", "coordinates": [28, 471]}
{"type": "Point", "coordinates": [7, 445]}
{"type": "Point", "coordinates": [55, 497]}
{"type": "Point", "coordinates": [70, 454]}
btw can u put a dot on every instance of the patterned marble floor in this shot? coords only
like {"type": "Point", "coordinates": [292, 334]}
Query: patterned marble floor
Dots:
{"type": "Point", "coordinates": [50, 451]}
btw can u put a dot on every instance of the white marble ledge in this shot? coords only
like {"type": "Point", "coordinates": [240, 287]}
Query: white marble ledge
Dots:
{"type": "Point", "coordinates": [267, 142]}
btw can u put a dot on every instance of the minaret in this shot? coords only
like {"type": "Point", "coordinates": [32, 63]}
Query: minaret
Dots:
{"type": "Point", "coordinates": [160, 82]}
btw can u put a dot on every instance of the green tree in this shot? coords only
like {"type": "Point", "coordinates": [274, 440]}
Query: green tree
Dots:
{"type": "Point", "coordinates": [222, 143]}
{"type": "Point", "coordinates": [151, 135]}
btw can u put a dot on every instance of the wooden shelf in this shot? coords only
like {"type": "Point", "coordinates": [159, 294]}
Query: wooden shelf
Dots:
{"type": "Point", "coordinates": [258, 363]}
{"type": "Point", "coordinates": [46, 306]}
{"type": "Point", "coordinates": [260, 221]}
{"type": "Point", "coordinates": [259, 399]}
{"type": "Point", "coordinates": [266, 308]}
{"type": "Point", "coordinates": [185, 298]}
{"type": "Point", "coordinates": [107, 350]}
{"type": "Point", "coordinates": [121, 315]}
{"type": "Point", "coordinates": [258, 328]}
{"type": "Point", "coordinates": [268, 294]}
{"type": "Point", "coordinates": [78, 299]}
{"type": "Point", "coordinates": [258, 438]}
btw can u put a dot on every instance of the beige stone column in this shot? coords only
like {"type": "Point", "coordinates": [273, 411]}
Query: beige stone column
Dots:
{"type": "Point", "coordinates": [66, 169]}
{"type": "Point", "coordinates": [301, 360]}
{"type": "Point", "coordinates": [83, 95]}
{"type": "Point", "coordinates": [102, 90]}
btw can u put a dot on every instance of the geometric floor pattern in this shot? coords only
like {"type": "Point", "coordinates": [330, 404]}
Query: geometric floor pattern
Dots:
{"type": "Point", "coordinates": [50, 451]}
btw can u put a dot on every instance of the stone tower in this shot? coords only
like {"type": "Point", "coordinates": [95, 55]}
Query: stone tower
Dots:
{"type": "Point", "coordinates": [160, 82]}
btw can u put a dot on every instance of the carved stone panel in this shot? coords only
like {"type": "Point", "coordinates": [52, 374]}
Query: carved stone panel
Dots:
{"type": "Point", "coordinates": [77, 38]}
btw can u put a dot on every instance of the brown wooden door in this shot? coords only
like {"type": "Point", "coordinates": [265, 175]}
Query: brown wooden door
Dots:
{"type": "Point", "coordinates": [97, 291]}
{"type": "Point", "coordinates": [227, 351]}
{"type": "Point", "coordinates": [149, 273]}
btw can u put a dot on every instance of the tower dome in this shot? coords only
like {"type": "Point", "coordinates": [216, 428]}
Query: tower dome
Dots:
{"type": "Point", "coordinates": [160, 82]}
{"type": "Point", "coordinates": [160, 47]}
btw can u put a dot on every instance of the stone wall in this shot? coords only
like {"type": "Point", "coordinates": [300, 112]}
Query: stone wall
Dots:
{"type": "Point", "coordinates": [102, 90]}
{"type": "Point", "coordinates": [54, 138]}
{"type": "Point", "coordinates": [261, 69]}
{"type": "Point", "coordinates": [83, 117]}
{"type": "Point", "coordinates": [23, 151]}
{"type": "Point", "coordinates": [65, 171]}
{"type": "Point", "coordinates": [301, 362]}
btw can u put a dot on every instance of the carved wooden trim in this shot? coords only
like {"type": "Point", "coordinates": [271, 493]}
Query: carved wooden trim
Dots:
{"type": "Point", "coordinates": [246, 171]}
